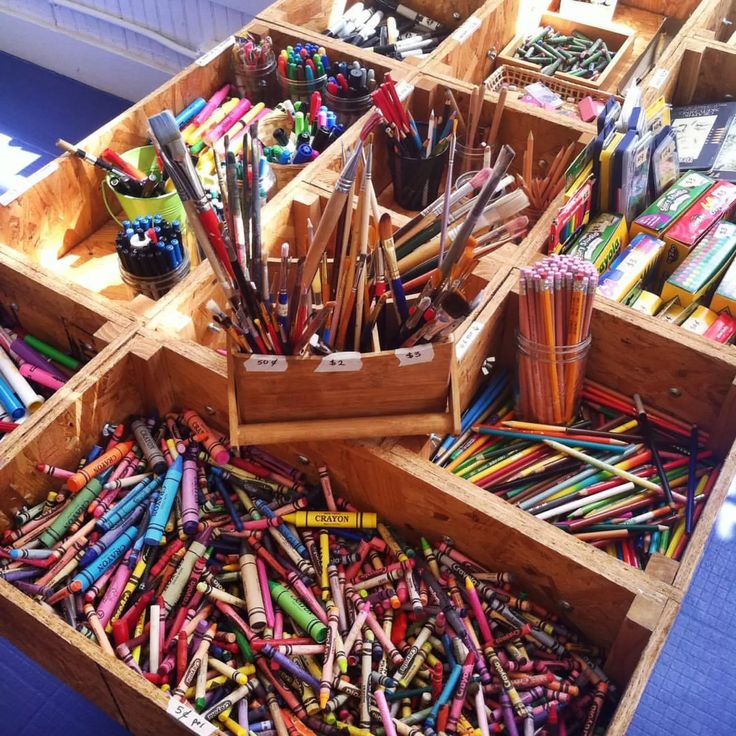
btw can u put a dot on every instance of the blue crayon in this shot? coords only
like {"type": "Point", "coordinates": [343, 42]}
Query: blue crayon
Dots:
{"type": "Point", "coordinates": [190, 111]}
{"type": "Point", "coordinates": [225, 495]}
{"type": "Point", "coordinates": [107, 539]}
{"type": "Point", "coordinates": [104, 562]}
{"type": "Point", "coordinates": [160, 511]}
{"type": "Point", "coordinates": [140, 492]}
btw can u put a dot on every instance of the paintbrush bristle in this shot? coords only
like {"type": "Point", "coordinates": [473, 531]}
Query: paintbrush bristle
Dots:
{"type": "Point", "coordinates": [385, 227]}
{"type": "Point", "coordinates": [164, 127]}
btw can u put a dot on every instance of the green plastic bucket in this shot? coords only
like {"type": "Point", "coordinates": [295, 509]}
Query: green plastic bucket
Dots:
{"type": "Point", "coordinates": [168, 205]}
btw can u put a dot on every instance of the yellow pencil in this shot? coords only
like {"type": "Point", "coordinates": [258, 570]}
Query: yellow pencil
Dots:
{"type": "Point", "coordinates": [595, 462]}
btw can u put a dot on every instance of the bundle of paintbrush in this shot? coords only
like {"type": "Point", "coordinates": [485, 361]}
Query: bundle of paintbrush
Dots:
{"type": "Point", "coordinates": [627, 478]}
{"type": "Point", "coordinates": [342, 303]}
{"type": "Point", "coordinates": [418, 242]}
{"type": "Point", "coordinates": [555, 308]}
{"type": "Point", "coordinates": [123, 177]}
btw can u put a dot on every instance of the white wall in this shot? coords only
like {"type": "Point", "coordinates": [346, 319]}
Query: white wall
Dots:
{"type": "Point", "coordinates": [151, 40]}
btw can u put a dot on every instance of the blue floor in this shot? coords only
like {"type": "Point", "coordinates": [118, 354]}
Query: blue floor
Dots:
{"type": "Point", "coordinates": [691, 690]}
{"type": "Point", "coordinates": [38, 106]}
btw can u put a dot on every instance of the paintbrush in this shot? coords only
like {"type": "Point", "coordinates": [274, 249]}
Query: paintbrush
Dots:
{"type": "Point", "coordinates": [385, 233]}
{"type": "Point", "coordinates": [173, 151]}
{"type": "Point", "coordinates": [448, 190]}
{"type": "Point", "coordinates": [503, 161]}
{"type": "Point", "coordinates": [327, 224]}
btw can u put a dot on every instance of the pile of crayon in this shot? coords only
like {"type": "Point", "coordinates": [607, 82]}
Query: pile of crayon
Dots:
{"type": "Point", "coordinates": [30, 371]}
{"type": "Point", "coordinates": [388, 28]}
{"type": "Point", "coordinates": [150, 246]}
{"type": "Point", "coordinates": [629, 479]}
{"type": "Point", "coordinates": [270, 605]}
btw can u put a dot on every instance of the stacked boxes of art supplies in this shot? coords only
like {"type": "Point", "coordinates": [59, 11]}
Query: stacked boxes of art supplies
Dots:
{"type": "Point", "coordinates": [184, 528]}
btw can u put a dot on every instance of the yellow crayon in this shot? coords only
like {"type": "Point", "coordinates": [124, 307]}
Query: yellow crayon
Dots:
{"type": "Point", "coordinates": [333, 519]}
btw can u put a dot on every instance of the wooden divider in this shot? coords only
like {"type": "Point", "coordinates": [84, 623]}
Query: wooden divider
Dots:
{"type": "Point", "coordinates": [502, 21]}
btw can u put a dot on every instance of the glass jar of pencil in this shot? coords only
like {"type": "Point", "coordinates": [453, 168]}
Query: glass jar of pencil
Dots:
{"type": "Point", "coordinates": [556, 296]}
{"type": "Point", "coordinates": [254, 76]}
{"type": "Point", "coordinates": [550, 379]}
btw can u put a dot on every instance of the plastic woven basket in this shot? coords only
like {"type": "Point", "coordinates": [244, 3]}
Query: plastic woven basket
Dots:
{"type": "Point", "coordinates": [516, 78]}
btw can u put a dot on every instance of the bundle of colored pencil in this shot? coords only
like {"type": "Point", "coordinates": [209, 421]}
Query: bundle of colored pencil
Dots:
{"type": "Point", "coordinates": [555, 308]}
{"type": "Point", "coordinates": [630, 480]}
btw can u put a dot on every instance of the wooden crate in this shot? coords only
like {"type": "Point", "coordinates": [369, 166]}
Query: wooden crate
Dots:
{"type": "Point", "coordinates": [461, 17]}
{"type": "Point", "coordinates": [502, 21]}
{"type": "Point", "coordinates": [267, 399]}
{"type": "Point", "coordinates": [64, 316]}
{"type": "Point", "coordinates": [616, 608]}
{"type": "Point", "coordinates": [674, 373]}
{"type": "Point", "coordinates": [717, 22]}
{"type": "Point", "coordinates": [618, 40]}
{"type": "Point", "coordinates": [426, 92]}
{"type": "Point", "coordinates": [62, 224]}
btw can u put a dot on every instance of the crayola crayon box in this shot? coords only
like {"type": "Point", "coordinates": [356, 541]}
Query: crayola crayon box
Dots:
{"type": "Point", "coordinates": [700, 320]}
{"type": "Point", "coordinates": [665, 210]}
{"type": "Point", "coordinates": [700, 271]}
{"type": "Point", "coordinates": [717, 203]}
{"type": "Point", "coordinates": [601, 241]}
{"type": "Point", "coordinates": [725, 296]}
{"type": "Point", "coordinates": [630, 271]}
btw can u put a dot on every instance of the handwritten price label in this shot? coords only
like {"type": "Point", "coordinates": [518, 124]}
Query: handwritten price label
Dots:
{"type": "Point", "coordinates": [266, 364]}
{"type": "Point", "coordinates": [403, 89]}
{"type": "Point", "coordinates": [659, 77]}
{"type": "Point", "coordinates": [464, 343]}
{"type": "Point", "coordinates": [467, 29]}
{"type": "Point", "coordinates": [189, 718]}
{"type": "Point", "coordinates": [340, 363]}
{"type": "Point", "coordinates": [413, 356]}
{"type": "Point", "coordinates": [215, 51]}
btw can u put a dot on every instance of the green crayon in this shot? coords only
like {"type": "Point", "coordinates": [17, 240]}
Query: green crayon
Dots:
{"type": "Point", "coordinates": [71, 513]}
{"type": "Point", "coordinates": [294, 608]}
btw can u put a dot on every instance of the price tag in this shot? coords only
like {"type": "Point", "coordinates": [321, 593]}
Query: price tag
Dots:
{"type": "Point", "coordinates": [340, 363]}
{"type": "Point", "coordinates": [215, 51]}
{"type": "Point", "coordinates": [403, 89]}
{"type": "Point", "coordinates": [412, 356]}
{"type": "Point", "coordinates": [189, 718]}
{"type": "Point", "coordinates": [659, 77]}
{"type": "Point", "coordinates": [266, 364]}
{"type": "Point", "coordinates": [467, 29]}
{"type": "Point", "coordinates": [464, 343]}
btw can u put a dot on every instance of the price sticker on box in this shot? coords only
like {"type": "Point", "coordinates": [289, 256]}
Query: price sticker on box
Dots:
{"type": "Point", "coordinates": [266, 364]}
{"type": "Point", "coordinates": [215, 51]}
{"type": "Point", "coordinates": [467, 29]}
{"type": "Point", "coordinates": [415, 355]}
{"type": "Point", "coordinates": [404, 89]}
{"type": "Point", "coordinates": [464, 343]}
{"type": "Point", "coordinates": [189, 718]}
{"type": "Point", "coordinates": [340, 363]}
